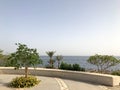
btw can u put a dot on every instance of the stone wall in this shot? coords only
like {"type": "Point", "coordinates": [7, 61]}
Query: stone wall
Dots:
{"type": "Point", "coordinates": [103, 79]}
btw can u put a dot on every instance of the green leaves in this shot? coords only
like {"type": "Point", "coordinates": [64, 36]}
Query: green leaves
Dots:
{"type": "Point", "coordinates": [74, 67]}
{"type": "Point", "coordinates": [22, 82]}
{"type": "Point", "coordinates": [1, 54]}
{"type": "Point", "coordinates": [103, 62]}
{"type": "Point", "coordinates": [24, 56]}
{"type": "Point", "coordinates": [50, 53]}
{"type": "Point", "coordinates": [3, 58]}
{"type": "Point", "coordinates": [59, 57]}
{"type": "Point", "coordinates": [51, 61]}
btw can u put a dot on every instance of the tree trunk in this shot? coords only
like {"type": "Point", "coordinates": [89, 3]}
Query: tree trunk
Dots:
{"type": "Point", "coordinates": [58, 64]}
{"type": "Point", "coordinates": [101, 69]}
{"type": "Point", "coordinates": [98, 68]}
{"type": "Point", "coordinates": [26, 72]}
{"type": "Point", "coordinates": [50, 62]}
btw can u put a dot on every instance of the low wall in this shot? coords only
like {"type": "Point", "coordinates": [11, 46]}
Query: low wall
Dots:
{"type": "Point", "coordinates": [103, 79]}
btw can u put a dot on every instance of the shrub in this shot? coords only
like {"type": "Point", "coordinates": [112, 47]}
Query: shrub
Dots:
{"type": "Point", "coordinates": [116, 73]}
{"type": "Point", "coordinates": [22, 82]}
{"type": "Point", "coordinates": [82, 69]}
{"type": "Point", "coordinates": [65, 66]}
{"type": "Point", "coordinates": [69, 67]}
{"type": "Point", "coordinates": [48, 66]}
{"type": "Point", "coordinates": [77, 67]}
{"type": "Point", "coordinates": [74, 67]}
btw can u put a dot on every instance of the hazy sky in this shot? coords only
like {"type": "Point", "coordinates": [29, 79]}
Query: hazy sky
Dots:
{"type": "Point", "coordinates": [69, 27]}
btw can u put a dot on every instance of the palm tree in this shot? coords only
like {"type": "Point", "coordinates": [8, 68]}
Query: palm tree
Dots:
{"type": "Point", "coordinates": [59, 58]}
{"type": "Point", "coordinates": [51, 61]}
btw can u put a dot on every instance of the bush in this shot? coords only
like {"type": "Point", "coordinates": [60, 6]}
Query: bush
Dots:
{"type": "Point", "coordinates": [65, 66]}
{"type": "Point", "coordinates": [74, 67]}
{"type": "Point", "coordinates": [48, 66]}
{"type": "Point", "coordinates": [69, 67]}
{"type": "Point", "coordinates": [116, 73]}
{"type": "Point", "coordinates": [82, 69]}
{"type": "Point", "coordinates": [22, 82]}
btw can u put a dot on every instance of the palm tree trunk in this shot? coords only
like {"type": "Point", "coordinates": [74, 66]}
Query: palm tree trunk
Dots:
{"type": "Point", "coordinates": [26, 72]}
{"type": "Point", "coordinates": [50, 61]}
{"type": "Point", "coordinates": [58, 64]}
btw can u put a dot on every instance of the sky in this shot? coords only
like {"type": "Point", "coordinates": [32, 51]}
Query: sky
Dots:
{"type": "Point", "coordinates": [69, 27]}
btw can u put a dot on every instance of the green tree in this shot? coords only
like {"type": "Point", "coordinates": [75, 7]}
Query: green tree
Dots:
{"type": "Point", "coordinates": [59, 58]}
{"type": "Point", "coordinates": [1, 54]}
{"type": "Point", "coordinates": [3, 58]}
{"type": "Point", "coordinates": [103, 62]}
{"type": "Point", "coordinates": [24, 57]}
{"type": "Point", "coordinates": [51, 61]}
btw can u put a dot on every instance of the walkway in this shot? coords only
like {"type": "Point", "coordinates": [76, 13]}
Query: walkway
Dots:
{"type": "Point", "coordinates": [49, 83]}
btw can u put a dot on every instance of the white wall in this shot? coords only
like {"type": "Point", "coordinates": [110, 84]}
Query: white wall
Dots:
{"type": "Point", "coordinates": [103, 79]}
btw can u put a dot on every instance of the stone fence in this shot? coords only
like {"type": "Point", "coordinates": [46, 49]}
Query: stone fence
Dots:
{"type": "Point", "coordinates": [102, 79]}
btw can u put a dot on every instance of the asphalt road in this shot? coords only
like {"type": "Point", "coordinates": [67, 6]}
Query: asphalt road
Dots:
{"type": "Point", "coordinates": [52, 83]}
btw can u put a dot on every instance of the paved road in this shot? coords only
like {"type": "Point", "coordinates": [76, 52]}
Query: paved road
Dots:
{"type": "Point", "coordinates": [51, 83]}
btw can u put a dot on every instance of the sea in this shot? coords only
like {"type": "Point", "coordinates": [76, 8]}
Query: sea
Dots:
{"type": "Point", "coordinates": [81, 60]}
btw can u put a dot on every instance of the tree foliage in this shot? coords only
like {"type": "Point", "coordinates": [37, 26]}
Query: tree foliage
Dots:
{"type": "Point", "coordinates": [3, 58]}
{"type": "Point", "coordinates": [51, 60]}
{"type": "Point", "coordinates": [59, 58]}
{"type": "Point", "coordinates": [24, 57]}
{"type": "Point", "coordinates": [74, 67]}
{"type": "Point", "coordinates": [1, 54]}
{"type": "Point", "coordinates": [103, 62]}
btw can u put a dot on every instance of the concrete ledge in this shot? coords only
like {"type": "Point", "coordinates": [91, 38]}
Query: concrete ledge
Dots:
{"type": "Point", "coordinates": [103, 79]}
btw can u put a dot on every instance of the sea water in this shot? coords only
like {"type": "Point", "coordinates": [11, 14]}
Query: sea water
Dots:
{"type": "Point", "coordinates": [81, 60]}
